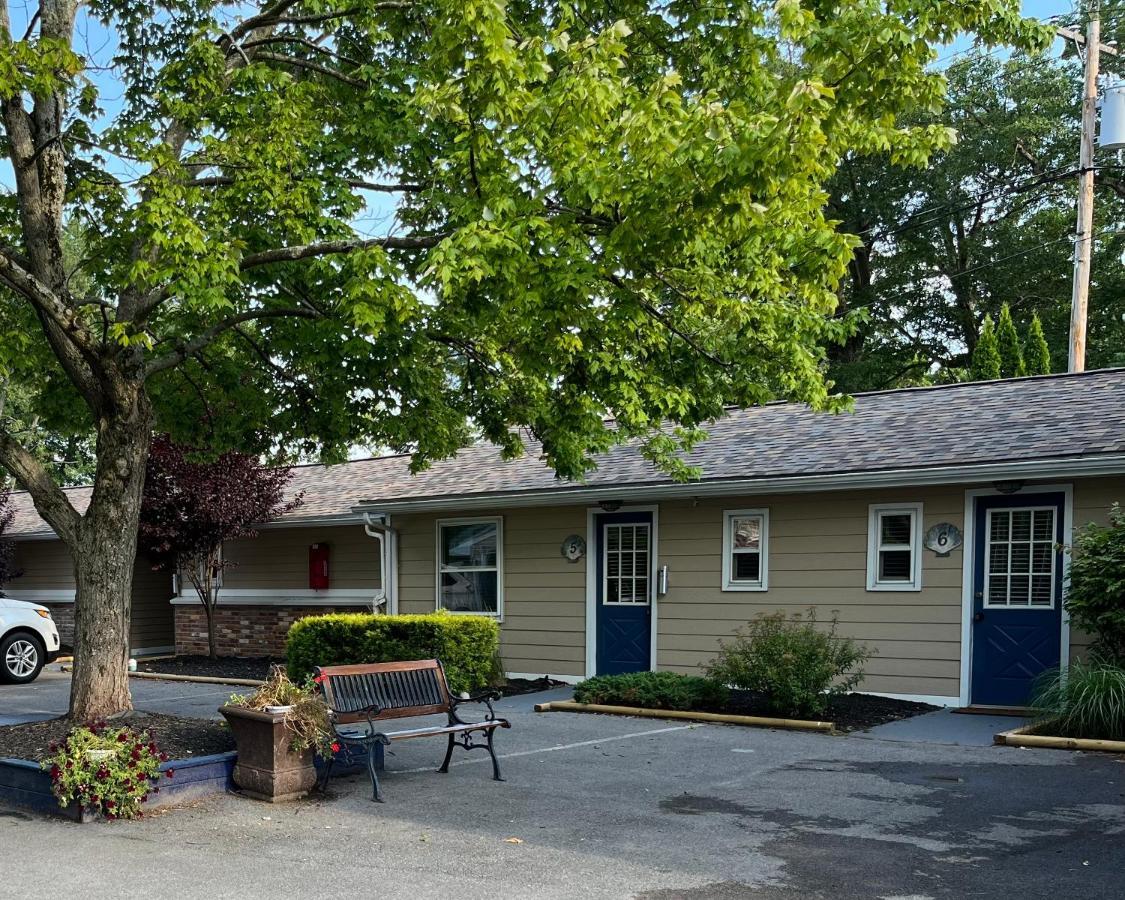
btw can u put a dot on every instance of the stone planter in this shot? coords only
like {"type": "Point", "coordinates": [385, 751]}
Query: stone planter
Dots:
{"type": "Point", "coordinates": [267, 769]}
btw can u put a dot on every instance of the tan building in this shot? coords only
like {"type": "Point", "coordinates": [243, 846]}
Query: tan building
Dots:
{"type": "Point", "coordinates": [928, 523]}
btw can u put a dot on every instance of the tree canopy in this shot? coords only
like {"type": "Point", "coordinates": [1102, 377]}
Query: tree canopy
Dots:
{"type": "Point", "coordinates": [304, 224]}
{"type": "Point", "coordinates": [988, 223]}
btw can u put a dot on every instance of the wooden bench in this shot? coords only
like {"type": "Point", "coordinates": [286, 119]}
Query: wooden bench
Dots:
{"type": "Point", "coordinates": [361, 698]}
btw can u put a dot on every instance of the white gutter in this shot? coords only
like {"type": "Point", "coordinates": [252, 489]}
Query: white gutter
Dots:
{"type": "Point", "coordinates": [959, 474]}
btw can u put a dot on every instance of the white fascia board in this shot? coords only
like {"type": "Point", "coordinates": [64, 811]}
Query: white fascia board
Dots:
{"type": "Point", "coordinates": [962, 474]}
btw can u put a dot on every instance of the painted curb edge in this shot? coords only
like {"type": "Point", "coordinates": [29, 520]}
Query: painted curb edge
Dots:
{"type": "Point", "coordinates": [722, 718]}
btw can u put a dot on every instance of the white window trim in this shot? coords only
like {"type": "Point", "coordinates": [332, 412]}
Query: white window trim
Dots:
{"type": "Point", "coordinates": [729, 582]}
{"type": "Point", "coordinates": [875, 510]}
{"type": "Point", "coordinates": [498, 521]}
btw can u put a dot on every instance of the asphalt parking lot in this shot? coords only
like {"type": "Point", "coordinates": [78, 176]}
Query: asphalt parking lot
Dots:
{"type": "Point", "coordinates": [617, 807]}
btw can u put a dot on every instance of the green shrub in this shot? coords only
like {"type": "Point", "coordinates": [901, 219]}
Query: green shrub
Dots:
{"type": "Point", "coordinates": [653, 690]}
{"type": "Point", "coordinates": [1095, 597]}
{"type": "Point", "coordinates": [1085, 701]}
{"type": "Point", "coordinates": [795, 666]}
{"type": "Point", "coordinates": [466, 645]}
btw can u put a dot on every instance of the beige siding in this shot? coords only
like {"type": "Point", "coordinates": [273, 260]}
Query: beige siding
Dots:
{"type": "Point", "coordinates": [47, 566]}
{"type": "Point", "coordinates": [817, 558]}
{"type": "Point", "coordinates": [152, 622]}
{"type": "Point", "coordinates": [544, 595]}
{"type": "Point", "coordinates": [278, 558]}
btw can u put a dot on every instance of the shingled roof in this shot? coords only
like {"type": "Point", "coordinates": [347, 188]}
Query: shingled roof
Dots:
{"type": "Point", "coordinates": [949, 433]}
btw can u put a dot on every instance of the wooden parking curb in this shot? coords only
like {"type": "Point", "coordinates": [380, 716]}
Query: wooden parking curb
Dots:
{"type": "Point", "coordinates": [723, 718]}
{"type": "Point", "coordinates": [1021, 737]}
{"type": "Point", "coordinates": [197, 679]}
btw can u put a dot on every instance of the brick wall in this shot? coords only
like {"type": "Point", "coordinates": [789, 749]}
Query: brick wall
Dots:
{"type": "Point", "coordinates": [242, 630]}
{"type": "Point", "coordinates": [63, 615]}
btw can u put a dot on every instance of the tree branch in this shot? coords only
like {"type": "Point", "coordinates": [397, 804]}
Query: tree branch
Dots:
{"type": "Point", "coordinates": [329, 248]}
{"type": "Point", "coordinates": [310, 66]}
{"type": "Point", "coordinates": [47, 302]}
{"type": "Point", "coordinates": [190, 348]}
{"type": "Point", "coordinates": [50, 500]}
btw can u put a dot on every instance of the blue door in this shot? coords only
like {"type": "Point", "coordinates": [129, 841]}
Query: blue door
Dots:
{"type": "Point", "coordinates": [1017, 595]}
{"type": "Point", "coordinates": [624, 592]}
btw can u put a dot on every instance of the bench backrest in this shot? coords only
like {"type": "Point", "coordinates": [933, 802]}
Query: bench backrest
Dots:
{"type": "Point", "coordinates": [414, 688]}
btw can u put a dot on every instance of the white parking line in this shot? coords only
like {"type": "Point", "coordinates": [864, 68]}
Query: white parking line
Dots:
{"type": "Point", "coordinates": [606, 740]}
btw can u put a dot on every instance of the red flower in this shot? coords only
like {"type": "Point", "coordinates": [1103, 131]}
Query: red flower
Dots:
{"type": "Point", "coordinates": [168, 773]}
{"type": "Point", "coordinates": [53, 746]}
{"type": "Point", "coordinates": [70, 763]}
{"type": "Point", "coordinates": [55, 772]}
{"type": "Point", "coordinates": [156, 790]}
{"type": "Point", "coordinates": [335, 747]}
{"type": "Point", "coordinates": [318, 679]}
{"type": "Point", "coordinates": [164, 757]}
{"type": "Point", "coordinates": [109, 804]}
{"type": "Point", "coordinates": [122, 737]}
{"type": "Point", "coordinates": [151, 747]}
{"type": "Point", "coordinates": [102, 774]}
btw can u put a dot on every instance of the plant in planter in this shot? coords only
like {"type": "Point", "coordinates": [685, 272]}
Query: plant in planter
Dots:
{"type": "Point", "coordinates": [278, 729]}
{"type": "Point", "coordinates": [106, 771]}
{"type": "Point", "coordinates": [1087, 700]}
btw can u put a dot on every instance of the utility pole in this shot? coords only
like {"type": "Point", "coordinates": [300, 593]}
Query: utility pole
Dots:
{"type": "Point", "coordinates": [1084, 236]}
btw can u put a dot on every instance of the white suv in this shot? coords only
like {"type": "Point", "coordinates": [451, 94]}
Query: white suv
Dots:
{"type": "Point", "coordinates": [28, 640]}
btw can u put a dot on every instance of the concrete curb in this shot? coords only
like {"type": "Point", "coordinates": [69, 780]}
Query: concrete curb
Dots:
{"type": "Point", "coordinates": [197, 679]}
{"type": "Point", "coordinates": [723, 718]}
{"type": "Point", "coordinates": [1020, 737]}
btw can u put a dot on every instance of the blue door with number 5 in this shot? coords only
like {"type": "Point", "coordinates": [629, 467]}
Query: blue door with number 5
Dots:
{"type": "Point", "coordinates": [624, 584]}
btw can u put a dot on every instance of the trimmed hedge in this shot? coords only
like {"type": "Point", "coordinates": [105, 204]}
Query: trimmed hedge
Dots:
{"type": "Point", "coordinates": [653, 690]}
{"type": "Point", "coordinates": [466, 645]}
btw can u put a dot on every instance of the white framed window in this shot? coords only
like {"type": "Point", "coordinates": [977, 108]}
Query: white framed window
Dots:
{"type": "Point", "coordinates": [470, 563]}
{"type": "Point", "coordinates": [894, 547]}
{"type": "Point", "coordinates": [746, 549]}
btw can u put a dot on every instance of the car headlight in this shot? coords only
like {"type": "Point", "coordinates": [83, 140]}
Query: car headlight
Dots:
{"type": "Point", "coordinates": [44, 613]}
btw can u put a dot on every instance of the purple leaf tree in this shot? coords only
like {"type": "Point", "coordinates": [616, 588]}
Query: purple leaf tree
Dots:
{"type": "Point", "coordinates": [192, 504]}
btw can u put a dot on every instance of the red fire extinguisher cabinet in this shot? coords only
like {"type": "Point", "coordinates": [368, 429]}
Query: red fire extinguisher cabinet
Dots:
{"type": "Point", "coordinates": [318, 567]}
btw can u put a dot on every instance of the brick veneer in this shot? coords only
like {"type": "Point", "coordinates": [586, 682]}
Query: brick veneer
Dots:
{"type": "Point", "coordinates": [242, 630]}
{"type": "Point", "coordinates": [63, 615]}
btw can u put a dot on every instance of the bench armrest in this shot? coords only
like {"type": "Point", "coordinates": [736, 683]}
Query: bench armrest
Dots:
{"type": "Point", "coordinates": [368, 712]}
{"type": "Point", "coordinates": [485, 697]}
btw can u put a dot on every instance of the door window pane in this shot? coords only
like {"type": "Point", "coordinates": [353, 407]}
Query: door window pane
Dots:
{"type": "Point", "coordinates": [1021, 558]}
{"type": "Point", "coordinates": [626, 561]}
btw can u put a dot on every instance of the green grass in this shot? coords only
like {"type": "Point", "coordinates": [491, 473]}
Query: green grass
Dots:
{"type": "Point", "coordinates": [1085, 701]}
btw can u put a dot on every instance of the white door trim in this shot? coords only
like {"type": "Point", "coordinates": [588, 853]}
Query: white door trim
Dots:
{"type": "Point", "coordinates": [969, 558]}
{"type": "Point", "coordinates": [592, 512]}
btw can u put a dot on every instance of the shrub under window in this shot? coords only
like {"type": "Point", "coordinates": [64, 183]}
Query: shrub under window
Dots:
{"type": "Point", "coordinates": [793, 664]}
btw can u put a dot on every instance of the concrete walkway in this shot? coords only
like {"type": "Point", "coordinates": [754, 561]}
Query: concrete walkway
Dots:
{"type": "Point", "coordinates": [945, 727]}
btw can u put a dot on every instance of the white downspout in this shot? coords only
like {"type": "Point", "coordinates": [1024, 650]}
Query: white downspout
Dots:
{"type": "Point", "coordinates": [384, 534]}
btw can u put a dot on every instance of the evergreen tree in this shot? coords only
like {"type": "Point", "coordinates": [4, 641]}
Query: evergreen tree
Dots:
{"type": "Point", "coordinates": [986, 356]}
{"type": "Point", "coordinates": [1008, 344]}
{"type": "Point", "coordinates": [1036, 353]}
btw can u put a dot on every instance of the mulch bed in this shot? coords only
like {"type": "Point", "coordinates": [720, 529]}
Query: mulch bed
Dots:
{"type": "Point", "coordinates": [850, 712]}
{"type": "Point", "coordinates": [257, 667]}
{"type": "Point", "coordinates": [177, 736]}
{"type": "Point", "coordinates": [516, 686]}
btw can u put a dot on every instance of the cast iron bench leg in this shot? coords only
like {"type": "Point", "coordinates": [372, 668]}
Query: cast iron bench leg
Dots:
{"type": "Point", "coordinates": [492, 753]}
{"type": "Point", "coordinates": [377, 794]}
{"type": "Point", "coordinates": [448, 756]}
{"type": "Point", "coordinates": [323, 786]}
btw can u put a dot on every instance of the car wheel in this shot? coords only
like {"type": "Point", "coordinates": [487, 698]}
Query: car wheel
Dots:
{"type": "Point", "coordinates": [21, 658]}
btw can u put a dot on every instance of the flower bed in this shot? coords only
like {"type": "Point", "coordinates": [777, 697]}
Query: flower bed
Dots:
{"type": "Point", "coordinates": [201, 759]}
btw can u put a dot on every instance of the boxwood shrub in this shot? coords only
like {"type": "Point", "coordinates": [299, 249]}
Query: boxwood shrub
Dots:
{"type": "Point", "coordinates": [466, 645]}
{"type": "Point", "coordinates": [653, 690]}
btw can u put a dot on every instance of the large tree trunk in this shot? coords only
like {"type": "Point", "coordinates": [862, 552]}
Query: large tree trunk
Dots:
{"type": "Point", "coordinates": [104, 557]}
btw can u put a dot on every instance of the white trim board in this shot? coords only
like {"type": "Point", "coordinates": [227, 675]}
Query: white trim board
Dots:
{"type": "Point", "coordinates": [968, 560]}
{"type": "Point", "coordinates": [283, 597]}
{"type": "Point", "coordinates": [42, 595]}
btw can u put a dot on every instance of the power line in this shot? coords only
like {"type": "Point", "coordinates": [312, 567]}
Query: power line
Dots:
{"type": "Point", "coordinates": [945, 209]}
